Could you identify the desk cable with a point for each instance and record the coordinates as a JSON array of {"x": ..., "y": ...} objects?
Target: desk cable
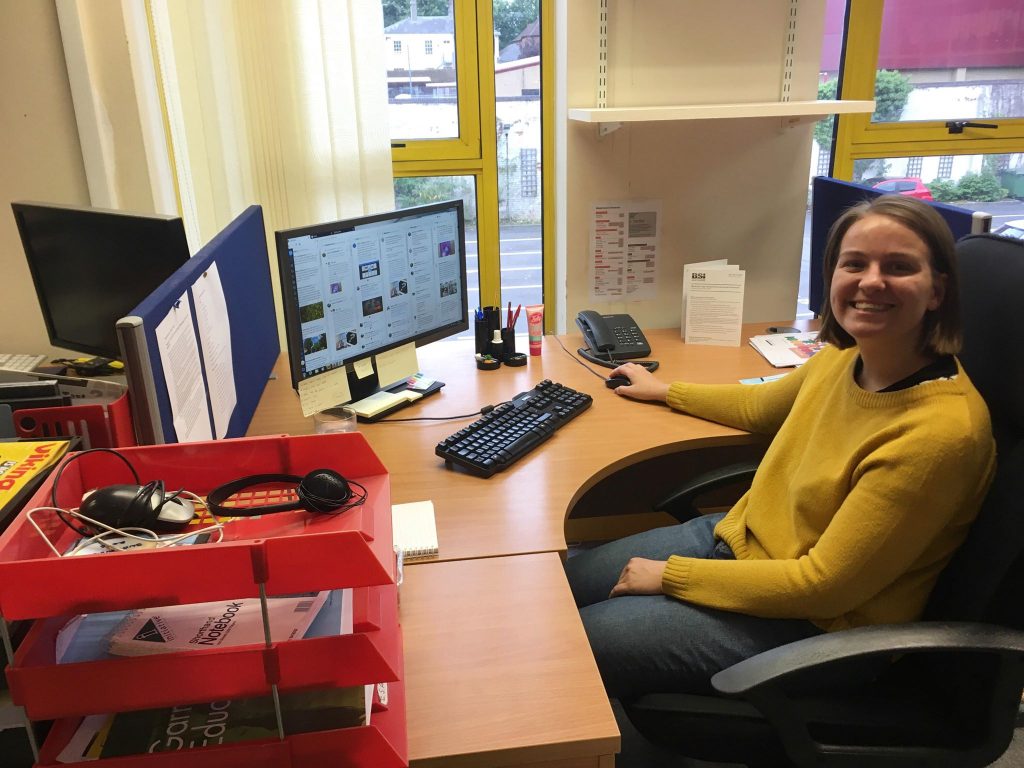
[
  {"x": 580, "y": 362},
  {"x": 482, "y": 412}
]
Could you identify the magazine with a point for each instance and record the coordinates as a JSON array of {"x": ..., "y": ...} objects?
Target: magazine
[
  {"x": 220, "y": 623},
  {"x": 188, "y": 726},
  {"x": 784, "y": 350}
]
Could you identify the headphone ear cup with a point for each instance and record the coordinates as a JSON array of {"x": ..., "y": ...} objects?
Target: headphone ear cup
[{"x": 324, "y": 490}]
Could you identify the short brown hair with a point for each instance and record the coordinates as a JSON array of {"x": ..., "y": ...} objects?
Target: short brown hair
[{"x": 942, "y": 333}]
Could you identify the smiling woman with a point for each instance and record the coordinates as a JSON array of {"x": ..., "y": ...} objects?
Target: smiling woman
[{"x": 881, "y": 453}]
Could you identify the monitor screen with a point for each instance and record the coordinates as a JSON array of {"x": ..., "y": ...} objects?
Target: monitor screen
[
  {"x": 358, "y": 287},
  {"x": 92, "y": 266}
]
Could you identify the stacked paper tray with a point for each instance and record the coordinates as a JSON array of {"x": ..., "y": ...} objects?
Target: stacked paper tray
[
  {"x": 382, "y": 744},
  {"x": 286, "y": 553}
]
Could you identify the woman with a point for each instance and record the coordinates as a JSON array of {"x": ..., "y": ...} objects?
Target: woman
[{"x": 882, "y": 453}]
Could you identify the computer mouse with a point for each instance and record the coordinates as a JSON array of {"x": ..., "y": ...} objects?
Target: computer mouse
[{"x": 616, "y": 381}]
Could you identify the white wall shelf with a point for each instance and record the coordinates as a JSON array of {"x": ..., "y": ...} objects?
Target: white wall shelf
[{"x": 811, "y": 109}]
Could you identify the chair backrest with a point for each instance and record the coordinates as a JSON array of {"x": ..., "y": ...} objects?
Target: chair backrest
[{"x": 985, "y": 579}]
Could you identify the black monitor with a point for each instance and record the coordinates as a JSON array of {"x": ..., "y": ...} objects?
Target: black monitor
[
  {"x": 355, "y": 288},
  {"x": 92, "y": 266}
]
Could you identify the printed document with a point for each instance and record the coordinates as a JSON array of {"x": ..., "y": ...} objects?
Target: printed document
[
  {"x": 215, "y": 337},
  {"x": 624, "y": 244},
  {"x": 714, "y": 305},
  {"x": 179, "y": 355}
]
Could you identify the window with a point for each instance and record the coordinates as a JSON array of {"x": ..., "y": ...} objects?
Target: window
[
  {"x": 945, "y": 167},
  {"x": 914, "y": 166},
  {"x": 528, "y": 172},
  {"x": 930, "y": 67},
  {"x": 397, "y": 46},
  {"x": 461, "y": 120}
]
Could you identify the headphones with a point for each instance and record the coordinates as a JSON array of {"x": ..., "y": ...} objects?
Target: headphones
[
  {"x": 150, "y": 507},
  {"x": 322, "y": 490}
]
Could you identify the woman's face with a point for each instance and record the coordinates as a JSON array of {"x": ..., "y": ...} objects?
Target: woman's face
[{"x": 883, "y": 283}]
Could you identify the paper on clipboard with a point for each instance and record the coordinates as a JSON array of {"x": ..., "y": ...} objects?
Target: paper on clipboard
[{"x": 215, "y": 336}]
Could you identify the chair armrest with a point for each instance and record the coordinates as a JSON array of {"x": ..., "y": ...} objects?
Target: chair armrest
[
  {"x": 885, "y": 639},
  {"x": 762, "y": 680},
  {"x": 680, "y": 503}
]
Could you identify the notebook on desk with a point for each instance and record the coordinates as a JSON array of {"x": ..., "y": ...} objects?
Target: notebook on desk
[{"x": 413, "y": 530}]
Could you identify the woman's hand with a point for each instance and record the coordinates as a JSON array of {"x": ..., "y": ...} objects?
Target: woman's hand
[
  {"x": 640, "y": 577},
  {"x": 643, "y": 385}
]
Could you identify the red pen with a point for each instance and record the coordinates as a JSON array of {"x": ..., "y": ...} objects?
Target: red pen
[{"x": 515, "y": 317}]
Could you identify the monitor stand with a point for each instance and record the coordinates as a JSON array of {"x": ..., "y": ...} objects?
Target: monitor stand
[{"x": 372, "y": 403}]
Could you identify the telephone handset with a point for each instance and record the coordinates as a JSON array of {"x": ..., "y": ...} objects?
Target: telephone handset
[{"x": 612, "y": 337}]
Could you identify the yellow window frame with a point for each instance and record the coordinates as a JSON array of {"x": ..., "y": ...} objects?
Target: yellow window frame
[
  {"x": 858, "y": 138},
  {"x": 470, "y": 155}
]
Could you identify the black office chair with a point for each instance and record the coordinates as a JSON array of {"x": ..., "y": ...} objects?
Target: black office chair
[{"x": 944, "y": 691}]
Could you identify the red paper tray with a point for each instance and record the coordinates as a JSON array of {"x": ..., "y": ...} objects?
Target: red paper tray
[
  {"x": 289, "y": 552},
  {"x": 371, "y": 654},
  {"x": 382, "y": 744},
  {"x": 99, "y": 426}
]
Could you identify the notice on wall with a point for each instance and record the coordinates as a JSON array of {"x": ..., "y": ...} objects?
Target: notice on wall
[{"x": 624, "y": 243}]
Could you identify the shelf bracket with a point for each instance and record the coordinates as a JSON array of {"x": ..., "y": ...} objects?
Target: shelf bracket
[
  {"x": 603, "y": 129},
  {"x": 789, "y": 52}
]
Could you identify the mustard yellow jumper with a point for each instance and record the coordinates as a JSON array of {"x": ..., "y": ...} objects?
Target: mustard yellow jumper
[{"x": 858, "y": 504}]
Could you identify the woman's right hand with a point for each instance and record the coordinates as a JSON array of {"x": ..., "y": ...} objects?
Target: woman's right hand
[{"x": 643, "y": 385}]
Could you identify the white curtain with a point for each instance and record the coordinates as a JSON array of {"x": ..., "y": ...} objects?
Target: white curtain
[{"x": 219, "y": 104}]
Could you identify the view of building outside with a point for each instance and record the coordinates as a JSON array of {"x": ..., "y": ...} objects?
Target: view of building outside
[
  {"x": 419, "y": 40},
  {"x": 956, "y": 60}
]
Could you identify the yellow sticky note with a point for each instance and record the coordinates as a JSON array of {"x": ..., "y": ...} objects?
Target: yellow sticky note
[
  {"x": 397, "y": 364},
  {"x": 324, "y": 391},
  {"x": 363, "y": 368}
]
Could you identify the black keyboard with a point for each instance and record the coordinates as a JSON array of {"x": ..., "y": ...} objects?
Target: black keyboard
[{"x": 513, "y": 429}]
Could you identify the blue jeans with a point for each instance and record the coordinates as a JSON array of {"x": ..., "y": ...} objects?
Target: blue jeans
[{"x": 655, "y": 643}]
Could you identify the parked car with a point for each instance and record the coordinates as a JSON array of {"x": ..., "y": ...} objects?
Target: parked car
[
  {"x": 909, "y": 187},
  {"x": 1013, "y": 229}
]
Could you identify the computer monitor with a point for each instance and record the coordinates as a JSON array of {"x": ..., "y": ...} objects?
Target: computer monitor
[
  {"x": 831, "y": 197},
  {"x": 92, "y": 266},
  {"x": 355, "y": 288}
]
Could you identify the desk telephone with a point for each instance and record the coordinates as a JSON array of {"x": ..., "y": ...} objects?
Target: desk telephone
[{"x": 612, "y": 337}]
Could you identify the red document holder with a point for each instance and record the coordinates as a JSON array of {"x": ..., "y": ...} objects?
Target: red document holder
[
  {"x": 284, "y": 553},
  {"x": 99, "y": 426}
]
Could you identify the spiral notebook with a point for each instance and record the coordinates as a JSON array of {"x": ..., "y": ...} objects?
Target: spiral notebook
[{"x": 413, "y": 529}]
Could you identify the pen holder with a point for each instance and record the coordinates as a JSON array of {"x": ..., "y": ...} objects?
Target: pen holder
[
  {"x": 509, "y": 355},
  {"x": 482, "y": 335}
]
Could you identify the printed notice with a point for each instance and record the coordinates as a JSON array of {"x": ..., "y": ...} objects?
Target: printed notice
[
  {"x": 714, "y": 305},
  {"x": 624, "y": 238},
  {"x": 179, "y": 356},
  {"x": 215, "y": 336}
]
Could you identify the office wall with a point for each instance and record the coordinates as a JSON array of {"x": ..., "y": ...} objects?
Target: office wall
[
  {"x": 733, "y": 189},
  {"x": 40, "y": 156}
]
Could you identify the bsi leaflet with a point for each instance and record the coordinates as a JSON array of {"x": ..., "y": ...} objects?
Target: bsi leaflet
[{"x": 712, "y": 307}]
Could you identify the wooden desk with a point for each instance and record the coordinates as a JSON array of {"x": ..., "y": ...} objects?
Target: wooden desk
[
  {"x": 523, "y": 509},
  {"x": 498, "y": 668}
]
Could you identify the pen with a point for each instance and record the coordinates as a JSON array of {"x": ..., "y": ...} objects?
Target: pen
[
  {"x": 515, "y": 317},
  {"x": 508, "y": 317}
]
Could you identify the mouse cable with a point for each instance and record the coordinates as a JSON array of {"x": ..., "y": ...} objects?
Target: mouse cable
[
  {"x": 482, "y": 412},
  {"x": 578, "y": 361}
]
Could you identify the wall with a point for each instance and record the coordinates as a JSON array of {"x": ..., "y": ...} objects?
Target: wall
[
  {"x": 39, "y": 154},
  {"x": 733, "y": 189}
]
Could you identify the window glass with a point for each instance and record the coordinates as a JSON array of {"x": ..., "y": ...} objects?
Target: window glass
[
  {"x": 990, "y": 183},
  {"x": 954, "y": 60},
  {"x": 517, "y": 87},
  {"x": 419, "y": 40}
]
